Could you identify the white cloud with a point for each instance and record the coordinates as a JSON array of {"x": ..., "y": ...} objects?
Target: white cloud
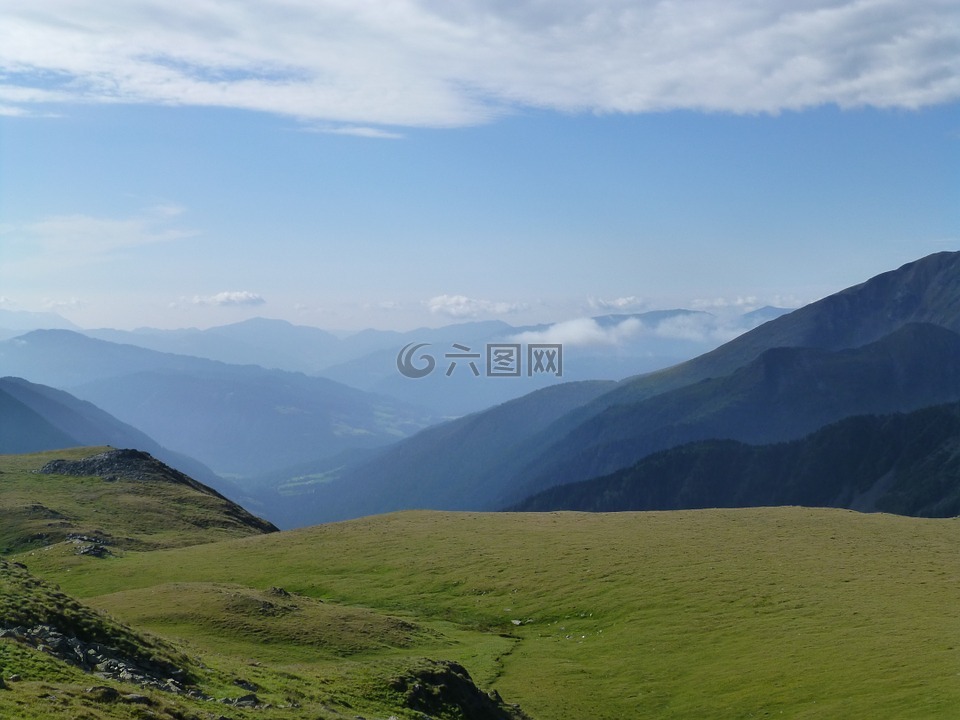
[
  {"x": 460, "y": 306},
  {"x": 617, "y": 304},
  {"x": 442, "y": 63},
  {"x": 363, "y": 132},
  {"x": 740, "y": 303},
  {"x": 84, "y": 237},
  {"x": 696, "y": 327},
  {"x": 583, "y": 331},
  {"x": 63, "y": 305},
  {"x": 234, "y": 297}
]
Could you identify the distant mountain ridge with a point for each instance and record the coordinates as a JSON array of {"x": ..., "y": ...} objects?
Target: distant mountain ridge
[
  {"x": 908, "y": 464},
  {"x": 924, "y": 291},
  {"x": 237, "y": 419},
  {"x": 785, "y": 393},
  {"x": 366, "y": 360}
]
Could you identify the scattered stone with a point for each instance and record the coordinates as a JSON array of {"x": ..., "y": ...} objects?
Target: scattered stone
[
  {"x": 279, "y": 591},
  {"x": 136, "y": 699},
  {"x": 103, "y": 693},
  {"x": 246, "y": 685},
  {"x": 246, "y": 701},
  {"x": 97, "y": 551},
  {"x": 14, "y": 678}
]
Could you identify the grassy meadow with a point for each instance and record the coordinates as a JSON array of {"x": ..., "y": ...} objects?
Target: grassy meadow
[{"x": 779, "y": 612}]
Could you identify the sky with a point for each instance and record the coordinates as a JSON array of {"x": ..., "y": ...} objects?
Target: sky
[{"x": 404, "y": 163}]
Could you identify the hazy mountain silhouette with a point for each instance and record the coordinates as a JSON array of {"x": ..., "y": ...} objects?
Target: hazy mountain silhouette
[
  {"x": 241, "y": 420},
  {"x": 905, "y": 463},
  {"x": 36, "y": 417}
]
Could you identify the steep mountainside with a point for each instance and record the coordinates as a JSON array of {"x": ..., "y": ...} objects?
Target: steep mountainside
[
  {"x": 907, "y": 464},
  {"x": 782, "y": 395},
  {"x": 72, "y": 422},
  {"x": 24, "y": 430},
  {"x": 923, "y": 291}
]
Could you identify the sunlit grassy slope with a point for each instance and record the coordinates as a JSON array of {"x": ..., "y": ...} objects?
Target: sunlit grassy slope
[
  {"x": 147, "y": 513},
  {"x": 785, "y": 612}
]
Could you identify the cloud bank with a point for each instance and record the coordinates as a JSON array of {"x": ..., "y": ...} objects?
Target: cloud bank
[
  {"x": 583, "y": 331},
  {"x": 694, "y": 327},
  {"x": 236, "y": 297},
  {"x": 460, "y": 306},
  {"x": 444, "y": 63}
]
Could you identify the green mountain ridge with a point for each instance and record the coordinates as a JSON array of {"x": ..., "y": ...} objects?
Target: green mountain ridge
[
  {"x": 103, "y": 501},
  {"x": 907, "y": 464},
  {"x": 782, "y": 395}
]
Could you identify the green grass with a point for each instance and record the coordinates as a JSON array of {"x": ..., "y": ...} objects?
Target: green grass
[
  {"x": 38, "y": 509},
  {"x": 783, "y": 612}
]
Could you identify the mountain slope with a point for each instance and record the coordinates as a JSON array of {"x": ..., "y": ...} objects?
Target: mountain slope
[
  {"x": 104, "y": 500},
  {"x": 924, "y": 291},
  {"x": 722, "y": 614},
  {"x": 81, "y": 423},
  {"x": 906, "y": 463},
  {"x": 24, "y": 430},
  {"x": 450, "y": 464},
  {"x": 782, "y": 395}
]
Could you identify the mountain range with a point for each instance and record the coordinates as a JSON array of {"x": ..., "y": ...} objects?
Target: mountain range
[
  {"x": 609, "y": 347},
  {"x": 238, "y": 419},
  {"x": 260, "y": 412},
  {"x": 889, "y": 344},
  {"x": 306, "y": 449},
  {"x": 906, "y": 463}
]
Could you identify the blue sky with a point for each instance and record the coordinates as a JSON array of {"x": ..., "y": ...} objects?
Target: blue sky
[{"x": 392, "y": 165}]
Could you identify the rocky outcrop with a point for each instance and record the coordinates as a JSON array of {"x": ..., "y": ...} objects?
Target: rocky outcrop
[
  {"x": 438, "y": 686},
  {"x": 106, "y": 662},
  {"x": 140, "y": 466}
]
